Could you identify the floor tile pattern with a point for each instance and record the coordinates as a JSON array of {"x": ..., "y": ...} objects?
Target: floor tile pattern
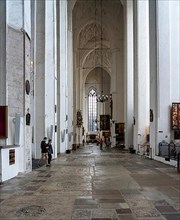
[{"x": 90, "y": 184}]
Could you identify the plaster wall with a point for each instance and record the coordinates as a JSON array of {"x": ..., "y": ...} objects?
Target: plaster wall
[
  {"x": 175, "y": 51},
  {"x": 27, "y": 16},
  {"x": 9, "y": 171},
  {"x": 63, "y": 76},
  {"x": 143, "y": 69},
  {"x": 27, "y": 104},
  {"x": 17, "y": 61},
  {"x": 164, "y": 87},
  {"x": 14, "y": 13},
  {"x": 39, "y": 76},
  {"x": 128, "y": 76},
  {"x": 153, "y": 75},
  {"x": 19, "y": 14},
  {"x": 175, "y": 55},
  {"x": 141, "y": 83},
  {"x": 15, "y": 72},
  {"x": 3, "y": 56},
  {"x": 49, "y": 70},
  {"x": 70, "y": 86}
]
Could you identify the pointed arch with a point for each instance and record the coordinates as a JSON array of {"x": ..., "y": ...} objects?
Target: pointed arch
[{"x": 92, "y": 109}]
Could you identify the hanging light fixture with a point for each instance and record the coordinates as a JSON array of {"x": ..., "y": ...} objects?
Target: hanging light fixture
[{"x": 101, "y": 97}]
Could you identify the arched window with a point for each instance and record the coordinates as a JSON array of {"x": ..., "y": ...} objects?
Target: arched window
[{"x": 92, "y": 110}]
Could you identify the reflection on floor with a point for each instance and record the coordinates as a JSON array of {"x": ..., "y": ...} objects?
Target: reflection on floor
[{"x": 93, "y": 184}]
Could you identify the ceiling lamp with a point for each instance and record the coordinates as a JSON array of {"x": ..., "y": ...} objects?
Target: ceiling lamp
[{"x": 101, "y": 97}]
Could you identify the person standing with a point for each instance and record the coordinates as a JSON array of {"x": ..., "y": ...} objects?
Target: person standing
[
  {"x": 44, "y": 151},
  {"x": 101, "y": 144},
  {"x": 50, "y": 152}
]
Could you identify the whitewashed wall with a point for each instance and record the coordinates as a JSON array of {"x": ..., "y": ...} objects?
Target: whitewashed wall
[
  {"x": 164, "y": 77},
  {"x": 49, "y": 70},
  {"x": 63, "y": 77},
  {"x": 17, "y": 71},
  {"x": 14, "y": 13}
]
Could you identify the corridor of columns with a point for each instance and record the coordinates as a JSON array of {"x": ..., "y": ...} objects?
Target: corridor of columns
[
  {"x": 94, "y": 184},
  {"x": 57, "y": 60}
]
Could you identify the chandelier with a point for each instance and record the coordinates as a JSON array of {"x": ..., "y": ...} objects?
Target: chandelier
[{"x": 101, "y": 97}]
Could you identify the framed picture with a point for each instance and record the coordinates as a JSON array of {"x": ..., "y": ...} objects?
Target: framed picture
[
  {"x": 11, "y": 156},
  {"x": 175, "y": 116},
  {"x": 119, "y": 128},
  {"x": 3, "y": 122},
  {"x": 104, "y": 122}
]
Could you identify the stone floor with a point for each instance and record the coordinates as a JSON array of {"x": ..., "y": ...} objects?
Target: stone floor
[{"x": 94, "y": 185}]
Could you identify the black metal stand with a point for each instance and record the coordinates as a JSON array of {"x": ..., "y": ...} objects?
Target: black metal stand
[{"x": 178, "y": 162}]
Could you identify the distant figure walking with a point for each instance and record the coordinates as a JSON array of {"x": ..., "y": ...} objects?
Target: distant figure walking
[
  {"x": 44, "y": 152},
  {"x": 50, "y": 152}
]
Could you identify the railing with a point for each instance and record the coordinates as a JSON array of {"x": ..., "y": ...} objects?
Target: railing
[
  {"x": 169, "y": 150},
  {"x": 178, "y": 162}
]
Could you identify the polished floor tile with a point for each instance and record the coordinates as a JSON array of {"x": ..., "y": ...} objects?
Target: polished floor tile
[{"x": 94, "y": 185}]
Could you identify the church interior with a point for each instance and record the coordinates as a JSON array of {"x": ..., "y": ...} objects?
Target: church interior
[{"x": 101, "y": 79}]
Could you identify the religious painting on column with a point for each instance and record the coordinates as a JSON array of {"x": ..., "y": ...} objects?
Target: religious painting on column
[
  {"x": 104, "y": 122},
  {"x": 175, "y": 116},
  {"x": 119, "y": 130}
]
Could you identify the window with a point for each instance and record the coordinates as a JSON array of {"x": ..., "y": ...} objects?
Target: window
[{"x": 92, "y": 110}]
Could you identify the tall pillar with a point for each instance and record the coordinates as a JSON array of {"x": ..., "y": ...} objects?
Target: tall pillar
[
  {"x": 164, "y": 75},
  {"x": 50, "y": 71},
  {"x": 141, "y": 79},
  {"x": 63, "y": 90},
  {"x": 2, "y": 65},
  {"x": 128, "y": 80},
  {"x": 114, "y": 98},
  {"x": 3, "y": 53},
  {"x": 175, "y": 53},
  {"x": 70, "y": 87},
  {"x": 153, "y": 75},
  {"x": 39, "y": 57},
  {"x": 168, "y": 37}
]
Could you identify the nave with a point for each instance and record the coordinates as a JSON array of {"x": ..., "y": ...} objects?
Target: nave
[{"x": 94, "y": 185}]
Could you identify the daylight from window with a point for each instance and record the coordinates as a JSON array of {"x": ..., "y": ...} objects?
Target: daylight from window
[{"x": 92, "y": 110}]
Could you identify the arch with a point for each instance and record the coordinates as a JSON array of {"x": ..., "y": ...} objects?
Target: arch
[
  {"x": 88, "y": 18},
  {"x": 86, "y": 74},
  {"x": 87, "y": 33}
]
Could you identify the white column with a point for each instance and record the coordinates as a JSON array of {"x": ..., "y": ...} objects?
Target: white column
[
  {"x": 175, "y": 50},
  {"x": 3, "y": 53},
  {"x": 153, "y": 75},
  {"x": 58, "y": 76},
  {"x": 77, "y": 76},
  {"x": 39, "y": 71},
  {"x": 114, "y": 97},
  {"x": 3, "y": 58},
  {"x": 113, "y": 83},
  {"x": 63, "y": 76},
  {"x": 49, "y": 70},
  {"x": 70, "y": 77},
  {"x": 141, "y": 73},
  {"x": 163, "y": 63},
  {"x": 128, "y": 80}
]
